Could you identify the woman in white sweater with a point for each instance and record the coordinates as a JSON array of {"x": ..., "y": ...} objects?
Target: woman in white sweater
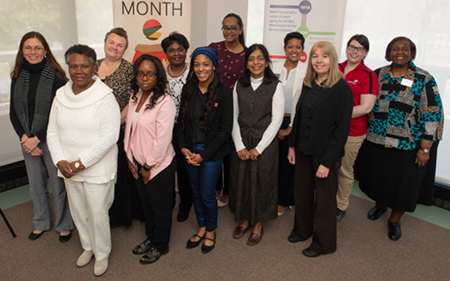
[{"x": 82, "y": 134}]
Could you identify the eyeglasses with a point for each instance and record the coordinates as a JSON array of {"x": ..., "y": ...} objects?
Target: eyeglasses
[
  {"x": 149, "y": 75},
  {"x": 228, "y": 29},
  {"x": 353, "y": 48},
  {"x": 36, "y": 49},
  {"x": 260, "y": 59}
]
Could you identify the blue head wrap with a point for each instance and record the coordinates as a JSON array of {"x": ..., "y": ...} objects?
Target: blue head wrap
[{"x": 205, "y": 51}]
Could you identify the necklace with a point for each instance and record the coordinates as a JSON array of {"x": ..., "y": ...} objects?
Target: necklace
[{"x": 177, "y": 74}]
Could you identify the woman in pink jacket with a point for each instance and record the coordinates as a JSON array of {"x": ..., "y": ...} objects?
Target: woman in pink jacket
[{"x": 150, "y": 154}]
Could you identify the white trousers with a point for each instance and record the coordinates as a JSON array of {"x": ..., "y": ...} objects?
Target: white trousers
[{"x": 89, "y": 204}]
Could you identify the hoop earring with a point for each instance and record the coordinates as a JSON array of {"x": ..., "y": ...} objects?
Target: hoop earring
[{"x": 192, "y": 77}]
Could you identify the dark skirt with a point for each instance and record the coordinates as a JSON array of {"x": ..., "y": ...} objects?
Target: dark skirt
[
  {"x": 390, "y": 176},
  {"x": 254, "y": 184}
]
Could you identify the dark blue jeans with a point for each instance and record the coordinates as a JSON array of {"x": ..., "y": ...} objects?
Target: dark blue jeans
[{"x": 203, "y": 181}]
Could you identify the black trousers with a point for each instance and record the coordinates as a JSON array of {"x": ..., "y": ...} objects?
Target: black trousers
[
  {"x": 157, "y": 199},
  {"x": 315, "y": 203},
  {"x": 126, "y": 205},
  {"x": 184, "y": 188},
  {"x": 286, "y": 171}
]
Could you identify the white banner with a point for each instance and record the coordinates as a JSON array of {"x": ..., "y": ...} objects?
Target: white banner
[
  {"x": 149, "y": 22},
  {"x": 317, "y": 20}
]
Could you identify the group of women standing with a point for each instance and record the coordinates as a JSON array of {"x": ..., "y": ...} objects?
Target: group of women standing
[{"x": 181, "y": 118}]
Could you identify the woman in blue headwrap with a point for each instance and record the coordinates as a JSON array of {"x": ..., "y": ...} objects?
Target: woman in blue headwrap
[{"x": 203, "y": 128}]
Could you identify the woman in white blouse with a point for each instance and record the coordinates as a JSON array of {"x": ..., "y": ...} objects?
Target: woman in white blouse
[
  {"x": 291, "y": 73},
  {"x": 258, "y": 112},
  {"x": 175, "y": 46}
]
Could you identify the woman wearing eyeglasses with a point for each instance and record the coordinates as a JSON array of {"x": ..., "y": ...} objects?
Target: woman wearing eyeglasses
[
  {"x": 35, "y": 78},
  {"x": 231, "y": 54},
  {"x": 364, "y": 84},
  {"x": 258, "y": 105},
  {"x": 150, "y": 154}
]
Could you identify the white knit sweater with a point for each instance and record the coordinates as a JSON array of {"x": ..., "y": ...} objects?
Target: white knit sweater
[{"x": 86, "y": 127}]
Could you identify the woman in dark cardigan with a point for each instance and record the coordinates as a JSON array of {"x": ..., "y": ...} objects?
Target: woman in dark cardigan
[
  {"x": 319, "y": 133},
  {"x": 35, "y": 78}
]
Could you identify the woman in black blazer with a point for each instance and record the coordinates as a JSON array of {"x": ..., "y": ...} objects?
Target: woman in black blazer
[
  {"x": 204, "y": 128},
  {"x": 319, "y": 134}
]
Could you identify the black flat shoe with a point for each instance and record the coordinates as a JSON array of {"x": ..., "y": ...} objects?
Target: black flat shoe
[
  {"x": 65, "y": 238},
  {"x": 183, "y": 215},
  {"x": 340, "y": 214},
  {"x": 153, "y": 255},
  {"x": 191, "y": 245},
  {"x": 293, "y": 239},
  {"x": 207, "y": 249},
  {"x": 375, "y": 213},
  {"x": 142, "y": 248},
  {"x": 394, "y": 232},
  {"x": 310, "y": 253},
  {"x": 33, "y": 236}
]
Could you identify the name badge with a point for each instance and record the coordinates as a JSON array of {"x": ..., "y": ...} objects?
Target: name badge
[{"x": 407, "y": 82}]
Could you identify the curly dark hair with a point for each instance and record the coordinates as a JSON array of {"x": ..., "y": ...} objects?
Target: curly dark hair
[
  {"x": 269, "y": 76},
  {"x": 161, "y": 79},
  {"x": 296, "y": 35},
  {"x": 81, "y": 50},
  {"x": 191, "y": 87},
  {"x": 174, "y": 37}
]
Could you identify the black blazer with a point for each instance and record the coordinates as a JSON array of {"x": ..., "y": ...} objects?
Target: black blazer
[
  {"x": 327, "y": 125},
  {"x": 220, "y": 123}
]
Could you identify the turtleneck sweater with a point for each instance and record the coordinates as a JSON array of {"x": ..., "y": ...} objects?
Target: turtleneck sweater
[{"x": 85, "y": 127}]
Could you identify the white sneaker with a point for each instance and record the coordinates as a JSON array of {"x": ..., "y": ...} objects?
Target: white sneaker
[
  {"x": 101, "y": 266},
  {"x": 85, "y": 258}
]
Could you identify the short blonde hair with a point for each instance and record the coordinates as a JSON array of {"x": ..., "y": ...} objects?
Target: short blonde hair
[{"x": 334, "y": 75}]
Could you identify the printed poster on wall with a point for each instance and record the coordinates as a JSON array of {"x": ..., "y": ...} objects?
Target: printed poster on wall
[
  {"x": 317, "y": 20},
  {"x": 149, "y": 22}
]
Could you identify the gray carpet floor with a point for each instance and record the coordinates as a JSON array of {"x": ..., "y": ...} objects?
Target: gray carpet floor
[{"x": 364, "y": 252}]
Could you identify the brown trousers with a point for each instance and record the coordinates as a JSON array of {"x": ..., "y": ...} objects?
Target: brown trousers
[{"x": 315, "y": 203}]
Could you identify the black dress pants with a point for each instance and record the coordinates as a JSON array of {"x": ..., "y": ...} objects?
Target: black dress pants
[
  {"x": 315, "y": 203},
  {"x": 157, "y": 199}
]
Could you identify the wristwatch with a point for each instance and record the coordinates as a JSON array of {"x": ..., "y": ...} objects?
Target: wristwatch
[
  {"x": 425, "y": 150},
  {"x": 77, "y": 165}
]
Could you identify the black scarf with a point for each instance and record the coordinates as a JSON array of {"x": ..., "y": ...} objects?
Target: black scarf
[{"x": 43, "y": 102}]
